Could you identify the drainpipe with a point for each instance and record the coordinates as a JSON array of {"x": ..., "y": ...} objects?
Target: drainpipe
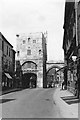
[
  {"x": 76, "y": 4},
  {"x": 78, "y": 69}
]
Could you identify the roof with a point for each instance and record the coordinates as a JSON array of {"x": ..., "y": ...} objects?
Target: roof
[
  {"x": 5, "y": 39},
  {"x": 14, "y": 50}
]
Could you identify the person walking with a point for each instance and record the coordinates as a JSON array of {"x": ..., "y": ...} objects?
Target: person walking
[{"x": 62, "y": 85}]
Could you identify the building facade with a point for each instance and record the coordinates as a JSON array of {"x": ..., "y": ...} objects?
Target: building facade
[
  {"x": 71, "y": 46},
  {"x": 7, "y": 58},
  {"x": 0, "y": 62},
  {"x": 32, "y": 55}
]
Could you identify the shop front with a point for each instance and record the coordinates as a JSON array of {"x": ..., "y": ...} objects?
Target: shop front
[
  {"x": 72, "y": 85},
  {"x": 7, "y": 81}
]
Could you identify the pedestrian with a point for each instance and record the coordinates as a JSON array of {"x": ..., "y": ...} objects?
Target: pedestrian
[{"x": 62, "y": 85}]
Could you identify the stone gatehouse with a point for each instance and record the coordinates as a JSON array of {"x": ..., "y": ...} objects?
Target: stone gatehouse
[{"x": 31, "y": 52}]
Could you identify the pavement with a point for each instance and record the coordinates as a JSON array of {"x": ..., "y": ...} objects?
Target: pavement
[
  {"x": 9, "y": 91},
  {"x": 67, "y": 103},
  {"x": 30, "y": 103}
]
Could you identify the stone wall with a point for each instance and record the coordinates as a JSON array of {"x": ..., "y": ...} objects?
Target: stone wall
[{"x": 33, "y": 43}]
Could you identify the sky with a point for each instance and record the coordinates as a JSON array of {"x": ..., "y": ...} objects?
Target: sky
[{"x": 26, "y": 16}]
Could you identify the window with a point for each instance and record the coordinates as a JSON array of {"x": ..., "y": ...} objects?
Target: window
[
  {"x": 23, "y": 41},
  {"x": 39, "y": 51},
  {"x": 28, "y": 52},
  {"x": 2, "y": 62},
  {"x": 2, "y": 45},
  {"x": 17, "y": 35},
  {"x": 7, "y": 50},
  {"x": 28, "y": 39},
  {"x": 9, "y": 64},
  {"x": 18, "y": 53},
  {"x": 34, "y": 41}
]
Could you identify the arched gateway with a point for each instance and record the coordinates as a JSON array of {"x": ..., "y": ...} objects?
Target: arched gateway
[
  {"x": 31, "y": 52},
  {"x": 55, "y": 74},
  {"x": 29, "y": 70},
  {"x": 29, "y": 80}
]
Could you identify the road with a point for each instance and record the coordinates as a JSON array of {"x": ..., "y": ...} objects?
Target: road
[{"x": 30, "y": 103}]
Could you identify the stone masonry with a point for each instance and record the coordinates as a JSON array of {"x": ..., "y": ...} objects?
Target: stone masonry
[{"x": 30, "y": 48}]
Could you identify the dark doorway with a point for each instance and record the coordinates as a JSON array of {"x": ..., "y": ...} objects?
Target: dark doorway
[{"x": 29, "y": 80}]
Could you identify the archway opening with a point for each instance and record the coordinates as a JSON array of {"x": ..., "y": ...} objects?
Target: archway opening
[
  {"x": 52, "y": 79},
  {"x": 29, "y": 64},
  {"x": 29, "y": 80}
]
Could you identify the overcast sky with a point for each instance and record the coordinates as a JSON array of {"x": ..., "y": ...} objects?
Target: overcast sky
[{"x": 24, "y": 16}]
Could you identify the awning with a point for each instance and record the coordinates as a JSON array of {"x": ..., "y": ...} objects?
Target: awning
[{"x": 7, "y": 75}]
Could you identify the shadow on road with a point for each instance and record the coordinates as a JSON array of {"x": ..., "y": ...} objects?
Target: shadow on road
[{"x": 5, "y": 100}]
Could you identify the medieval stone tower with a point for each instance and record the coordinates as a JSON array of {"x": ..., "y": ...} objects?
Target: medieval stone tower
[{"x": 32, "y": 54}]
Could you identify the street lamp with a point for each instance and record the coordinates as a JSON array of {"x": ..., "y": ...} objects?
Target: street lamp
[{"x": 74, "y": 58}]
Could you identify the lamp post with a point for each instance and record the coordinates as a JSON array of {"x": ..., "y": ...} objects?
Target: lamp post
[{"x": 74, "y": 58}]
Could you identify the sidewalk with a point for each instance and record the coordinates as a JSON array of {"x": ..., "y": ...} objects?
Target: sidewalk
[
  {"x": 9, "y": 91},
  {"x": 66, "y": 102}
]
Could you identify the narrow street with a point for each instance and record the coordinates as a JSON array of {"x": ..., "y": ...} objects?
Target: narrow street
[
  {"x": 40, "y": 59},
  {"x": 30, "y": 103}
]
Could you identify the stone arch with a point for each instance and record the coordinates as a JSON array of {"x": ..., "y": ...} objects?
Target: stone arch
[
  {"x": 52, "y": 78},
  {"x": 29, "y": 62},
  {"x": 28, "y": 74},
  {"x": 54, "y": 66},
  {"x": 29, "y": 80}
]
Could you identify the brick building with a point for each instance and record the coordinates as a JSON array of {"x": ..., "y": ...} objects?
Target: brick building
[
  {"x": 71, "y": 45},
  {"x": 32, "y": 54},
  {"x": 7, "y": 62}
]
